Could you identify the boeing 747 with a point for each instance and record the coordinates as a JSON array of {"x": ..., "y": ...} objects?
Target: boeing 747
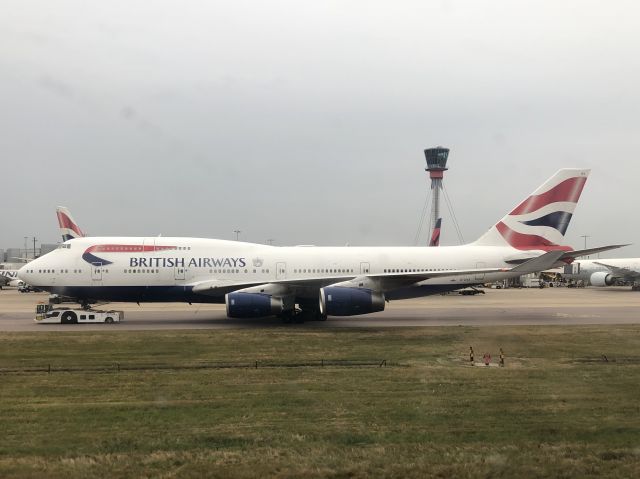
[{"x": 256, "y": 280}]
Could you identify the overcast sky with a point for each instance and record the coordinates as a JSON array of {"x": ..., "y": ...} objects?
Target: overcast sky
[{"x": 305, "y": 122}]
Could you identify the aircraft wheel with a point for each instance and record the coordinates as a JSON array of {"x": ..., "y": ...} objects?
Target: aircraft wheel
[
  {"x": 287, "y": 317},
  {"x": 316, "y": 315}
]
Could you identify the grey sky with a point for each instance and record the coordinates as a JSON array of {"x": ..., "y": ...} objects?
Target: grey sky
[{"x": 305, "y": 121}]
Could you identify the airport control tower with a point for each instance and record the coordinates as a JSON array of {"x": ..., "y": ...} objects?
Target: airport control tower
[{"x": 436, "y": 166}]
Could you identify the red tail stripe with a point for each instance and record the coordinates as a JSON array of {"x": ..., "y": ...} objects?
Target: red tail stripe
[
  {"x": 527, "y": 242},
  {"x": 569, "y": 190},
  {"x": 65, "y": 222},
  {"x": 126, "y": 248}
]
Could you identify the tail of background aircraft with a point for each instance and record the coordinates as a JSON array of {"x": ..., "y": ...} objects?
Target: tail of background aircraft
[
  {"x": 68, "y": 227},
  {"x": 541, "y": 220},
  {"x": 435, "y": 236}
]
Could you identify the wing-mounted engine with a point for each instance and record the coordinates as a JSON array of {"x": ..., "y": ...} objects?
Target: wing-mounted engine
[
  {"x": 350, "y": 301},
  {"x": 601, "y": 278},
  {"x": 253, "y": 305},
  {"x": 259, "y": 301}
]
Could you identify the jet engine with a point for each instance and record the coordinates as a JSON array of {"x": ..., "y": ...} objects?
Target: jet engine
[
  {"x": 253, "y": 305},
  {"x": 601, "y": 279},
  {"x": 341, "y": 301}
]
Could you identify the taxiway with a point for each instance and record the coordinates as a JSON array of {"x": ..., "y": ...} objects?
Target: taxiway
[{"x": 547, "y": 306}]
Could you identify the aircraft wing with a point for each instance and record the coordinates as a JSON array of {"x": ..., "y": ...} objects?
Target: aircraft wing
[
  {"x": 378, "y": 282},
  {"x": 620, "y": 272},
  {"x": 586, "y": 252}
]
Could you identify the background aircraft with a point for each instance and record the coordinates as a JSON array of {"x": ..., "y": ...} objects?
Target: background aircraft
[
  {"x": 605, "y": 272},
  {"x": 435, "y": 236},
  {"x": 68, "y": 227},
  {"x": 8, "y": 277}
]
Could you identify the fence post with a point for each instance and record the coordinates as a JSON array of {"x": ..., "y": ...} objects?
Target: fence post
[
  {"x": 256, "y": 364},
  {"x": 49, "y": 369}
]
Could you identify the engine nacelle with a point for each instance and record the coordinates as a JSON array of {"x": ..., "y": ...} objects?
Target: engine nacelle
[
  {"x": 601, "y": 279},
  {"x": 252, "y": 305},
  {"x": 341, "y": 301}
]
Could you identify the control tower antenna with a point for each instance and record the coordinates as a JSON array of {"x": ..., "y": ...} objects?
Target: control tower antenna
[{"x": 436, "y": 166}]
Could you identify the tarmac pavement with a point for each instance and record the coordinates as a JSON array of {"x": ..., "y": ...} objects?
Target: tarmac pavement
[{"x": 548, "y": 306}]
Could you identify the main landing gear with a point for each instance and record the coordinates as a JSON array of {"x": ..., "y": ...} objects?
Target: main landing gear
[{"x": 297, "y": 315}]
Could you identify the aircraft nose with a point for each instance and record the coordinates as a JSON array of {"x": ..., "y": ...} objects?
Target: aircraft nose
[{"x": 24, "y": 272}]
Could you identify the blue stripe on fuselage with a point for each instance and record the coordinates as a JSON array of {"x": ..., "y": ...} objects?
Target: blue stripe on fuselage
[
  {"x": 185, "y": 294},
  {"x": 150, "y": 294}
]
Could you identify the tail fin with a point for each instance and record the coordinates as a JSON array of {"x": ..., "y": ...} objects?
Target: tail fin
[
  {"x": 541, "y": 220},
  {"x": 68, "y": 227},
  {"x": 435, "y": 236}
]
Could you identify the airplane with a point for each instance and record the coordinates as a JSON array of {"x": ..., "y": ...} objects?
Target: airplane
[
  {"x": 9, "y": 272},
  {"x": 435, "y": 236},
  {"x": 605, "y": 272},
  {"x": 68, "y": 227},
  {"x": 9, "y": 277},
  {"x": 299, "y": 282}
]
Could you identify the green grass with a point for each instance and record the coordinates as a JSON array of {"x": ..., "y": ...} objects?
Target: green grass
[{"x": 548, "y": 413}]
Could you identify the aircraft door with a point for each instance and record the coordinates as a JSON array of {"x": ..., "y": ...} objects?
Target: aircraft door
[
  {"x": 281, "y": 270},
  {"x": 96, "y": 271},
  {"x": 480, "y": 276},
  {"x": 179, "y": 272},
  {"x": 364, "y": 268}
]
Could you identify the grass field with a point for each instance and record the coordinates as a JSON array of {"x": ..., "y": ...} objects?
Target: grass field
[{"x": 557, "y": 409}]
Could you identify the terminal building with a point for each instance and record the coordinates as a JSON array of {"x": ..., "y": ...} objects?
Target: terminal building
[{"x": 17, "y": 255}]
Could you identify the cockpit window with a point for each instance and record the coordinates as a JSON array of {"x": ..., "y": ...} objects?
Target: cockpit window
[{"x": 64, "y": 246}]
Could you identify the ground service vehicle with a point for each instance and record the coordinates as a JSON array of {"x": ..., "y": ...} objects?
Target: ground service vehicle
[{"x": 45, "y": 313}]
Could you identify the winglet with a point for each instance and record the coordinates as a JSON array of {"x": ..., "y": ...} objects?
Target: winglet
[{"x": 585, "y": 252}]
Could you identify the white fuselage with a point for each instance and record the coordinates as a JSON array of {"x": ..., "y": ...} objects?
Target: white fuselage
[{"x": 157, "y": 269}]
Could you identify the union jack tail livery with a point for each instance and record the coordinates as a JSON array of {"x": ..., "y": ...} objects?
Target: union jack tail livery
[
  {"x": 435, "y": 236},
  {"x": 68, "y": 227},
  {"x": 541, "y": 220}
]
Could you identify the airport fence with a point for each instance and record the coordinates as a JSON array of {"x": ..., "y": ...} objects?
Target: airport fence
[
  {"x": 255, "y": 364},
  {"x": 604, "y": 359}
]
